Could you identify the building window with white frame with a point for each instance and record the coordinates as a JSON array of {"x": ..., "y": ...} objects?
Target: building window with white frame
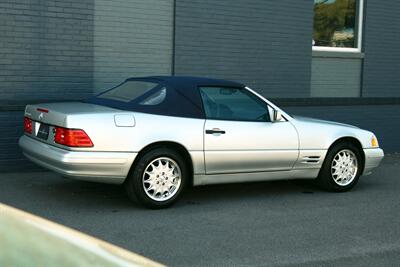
[{"x": 337, "y": 25}]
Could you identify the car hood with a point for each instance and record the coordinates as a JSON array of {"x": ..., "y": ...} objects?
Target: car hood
[{"x": 322, "y": 122}]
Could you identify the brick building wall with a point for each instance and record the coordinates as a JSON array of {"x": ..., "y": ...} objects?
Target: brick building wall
[
  {"x": 381, "y": 73},
  {"x": 263, "y": 43},
  {"x": 67, "y": 49}
]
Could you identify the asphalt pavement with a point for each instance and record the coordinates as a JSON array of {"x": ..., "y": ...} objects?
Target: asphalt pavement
[{"x": 283, "y": 223}]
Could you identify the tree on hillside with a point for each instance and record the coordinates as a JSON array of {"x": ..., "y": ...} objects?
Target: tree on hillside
[{"x": 333, "y": 16}]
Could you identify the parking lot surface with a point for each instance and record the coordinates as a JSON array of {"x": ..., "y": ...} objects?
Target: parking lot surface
[{"x": 285, "y": 223}]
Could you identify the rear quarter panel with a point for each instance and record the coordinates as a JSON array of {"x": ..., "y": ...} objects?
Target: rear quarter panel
[{"x": 148, "y": 129}]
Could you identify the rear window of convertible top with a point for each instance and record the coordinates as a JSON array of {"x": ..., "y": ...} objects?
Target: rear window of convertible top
[{"x": 141, "y": 92}]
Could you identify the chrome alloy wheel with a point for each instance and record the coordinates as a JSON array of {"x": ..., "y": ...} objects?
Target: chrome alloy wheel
[
  {"x": 161, "y": 179},
  {"x": 344, "y": 167}
]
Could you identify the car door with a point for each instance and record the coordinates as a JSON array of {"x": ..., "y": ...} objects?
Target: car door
[{"x": 239, "y": 136}]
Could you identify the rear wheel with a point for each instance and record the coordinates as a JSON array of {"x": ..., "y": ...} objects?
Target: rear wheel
[
  {"x": 158, "y": 178},
  {"x": 342, "y": 168}
]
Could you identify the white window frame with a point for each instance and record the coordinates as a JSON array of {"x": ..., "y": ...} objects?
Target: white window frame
[{"x": 359, "y": 35}]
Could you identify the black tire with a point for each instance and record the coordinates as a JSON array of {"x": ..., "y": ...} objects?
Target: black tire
[
  {"x": 325, "y": 178},
  {"x": 135, "y": 187}
]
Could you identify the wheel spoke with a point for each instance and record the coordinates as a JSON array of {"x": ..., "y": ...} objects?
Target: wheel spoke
[
  {"x": 344, "y": 167},
  {"x": 161, "y": 179},
  {"x": 151, "y": 188}
]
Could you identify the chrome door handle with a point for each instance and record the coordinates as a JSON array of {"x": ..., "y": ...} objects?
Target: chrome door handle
[{"x": 215, "y": 131}]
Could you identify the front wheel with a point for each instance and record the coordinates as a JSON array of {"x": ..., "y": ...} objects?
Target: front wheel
[
  {"x": 342, "y": 168},
  {"x": 158, "y": 178}
]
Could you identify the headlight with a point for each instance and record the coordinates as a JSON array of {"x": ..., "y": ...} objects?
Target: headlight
[{"x": 374, "y": 142}]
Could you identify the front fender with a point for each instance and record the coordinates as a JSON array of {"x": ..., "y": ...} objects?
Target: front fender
[{"x": 321, "y": 135}]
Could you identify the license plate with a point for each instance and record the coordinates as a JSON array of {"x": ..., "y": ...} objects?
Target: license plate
[{"x": 42, "y": 130}]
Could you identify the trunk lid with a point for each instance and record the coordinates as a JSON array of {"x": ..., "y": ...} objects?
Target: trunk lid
[
  {"x": 45, "y": 117},
  {"x": 56, "y": 113}
]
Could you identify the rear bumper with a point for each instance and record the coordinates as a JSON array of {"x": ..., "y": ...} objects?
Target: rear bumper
[
  {"x": 109, "y": 167},
  {"x": 373, "y": 157}
]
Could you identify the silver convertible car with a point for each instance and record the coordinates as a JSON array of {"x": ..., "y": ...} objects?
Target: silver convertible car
[{"x": 158, "y": 135}]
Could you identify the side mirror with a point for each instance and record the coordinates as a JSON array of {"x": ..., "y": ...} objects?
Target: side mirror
[{"x": 277, "y": 116}]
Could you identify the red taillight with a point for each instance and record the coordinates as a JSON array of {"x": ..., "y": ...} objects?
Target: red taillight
[
  {"x": 27, "y": 125},
  {"x": 72, "y": 137}
]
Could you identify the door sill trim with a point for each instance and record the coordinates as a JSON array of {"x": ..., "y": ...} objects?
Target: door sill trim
[{"x": 203, "y": 179}]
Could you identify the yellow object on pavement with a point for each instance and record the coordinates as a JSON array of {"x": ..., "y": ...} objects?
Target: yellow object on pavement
[{"x": 28, "y": 240}]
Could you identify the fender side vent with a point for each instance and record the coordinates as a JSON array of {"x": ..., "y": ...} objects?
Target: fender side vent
[{"x": 311, "y": 159}]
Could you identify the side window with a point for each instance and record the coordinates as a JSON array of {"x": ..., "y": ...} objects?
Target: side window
[{"x": 222, "y": 103}]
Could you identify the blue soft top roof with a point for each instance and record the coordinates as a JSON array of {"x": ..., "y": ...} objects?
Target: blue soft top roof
[
  {"x": 183, "y": 98},
  {"x": 190, "y": 82}
]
